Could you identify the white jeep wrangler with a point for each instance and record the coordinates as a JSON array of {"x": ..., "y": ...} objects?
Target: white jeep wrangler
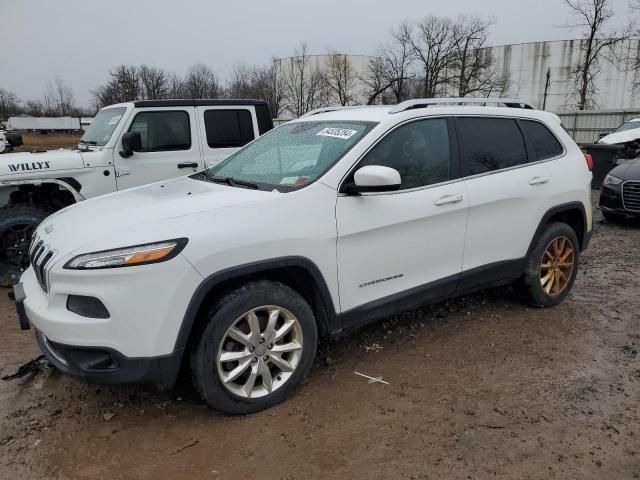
[
  {"x": 127, "y": 145},
  {"x": 326, "y": 223}
]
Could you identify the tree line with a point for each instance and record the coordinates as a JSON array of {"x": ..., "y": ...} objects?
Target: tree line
[{"x": 432, "y": 57}]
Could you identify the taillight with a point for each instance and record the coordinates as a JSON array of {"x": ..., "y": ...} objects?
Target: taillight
[{"x": 589, "y": 159}]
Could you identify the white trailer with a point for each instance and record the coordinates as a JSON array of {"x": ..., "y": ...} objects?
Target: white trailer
[{"x": 43, "y": 123}]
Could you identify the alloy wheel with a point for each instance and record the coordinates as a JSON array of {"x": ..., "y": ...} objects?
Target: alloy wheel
[
  {"x": 556, "y": 266},
  {"x": 260, "y": 351}
]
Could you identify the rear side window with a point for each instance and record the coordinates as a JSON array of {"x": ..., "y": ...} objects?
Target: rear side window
[
  {"x": 489, "y": 144},
  {"x": 228, "y": 128},
  {"x": 544, "y": 143},
  {"x": 162, "y": 131}
]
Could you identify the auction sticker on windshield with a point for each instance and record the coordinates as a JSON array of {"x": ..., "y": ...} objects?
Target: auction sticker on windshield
[
  {"x": 343, "y": 133},
  {"x": 114, "y": 119}
]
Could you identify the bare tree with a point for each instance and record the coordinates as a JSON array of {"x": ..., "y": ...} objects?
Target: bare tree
[
  {"x": 8, "y": 104},
  {"x": 154, "y": 82},
  {"x": 376, "y": 83},
  {"x": 34, "y": 108},
  {"x": 341, "y": 78},
  {"x": 473, "y": 64},
  {"x": 58, "y": 99},
  {"x": 597, "y": 44},
  {"x": 124, "y": 85},
  {"x": 305, "y": 84},
  {"x": 201, "y": 82},
  {"x": 433, "y": 46},
  {"x": 260, "y": 82}
]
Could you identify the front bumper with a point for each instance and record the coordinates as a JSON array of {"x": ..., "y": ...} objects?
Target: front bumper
[
  {"x": 136, "y": 341},
  {"x": 611, "y": 201},
  {"x": 102, "y": 365},
  {"x": 106, "y": 366}
]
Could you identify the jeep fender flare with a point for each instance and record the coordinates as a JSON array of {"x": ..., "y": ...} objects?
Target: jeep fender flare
[
  {"x": 333, "y": 319},
  {"x": 78, "y": 197}
]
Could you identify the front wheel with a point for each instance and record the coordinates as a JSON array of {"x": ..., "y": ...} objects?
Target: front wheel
[
  {"x": 552, "y": 266},
  {"x": 17, "y": 224},
  {"x": 257, "y": 347}
]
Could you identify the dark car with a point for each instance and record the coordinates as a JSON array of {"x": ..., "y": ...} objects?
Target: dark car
[{"x": 620, "y": 196}]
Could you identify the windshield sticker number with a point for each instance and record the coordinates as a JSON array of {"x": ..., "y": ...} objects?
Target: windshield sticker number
[
  {"x": 343, "y": 133},
  {"x": 115, "y": 119}
]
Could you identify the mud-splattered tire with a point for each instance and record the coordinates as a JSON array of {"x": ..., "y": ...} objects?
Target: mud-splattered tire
[
  {"x": 17, "y": 224},
  {"x": 551, "y": 266},
  {"x": 257, "y": 347}
]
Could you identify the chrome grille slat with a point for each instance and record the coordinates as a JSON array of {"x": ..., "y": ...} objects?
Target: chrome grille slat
[
  {"x": 40, "y": 255},
  {"x": 631, "y": 195}
]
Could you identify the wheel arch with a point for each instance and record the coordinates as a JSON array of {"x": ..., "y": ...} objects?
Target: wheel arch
[
  {"x": 298, "y": 273},
  {"x": 70, "y": 185},
  {"x": 573, "y": 214}
]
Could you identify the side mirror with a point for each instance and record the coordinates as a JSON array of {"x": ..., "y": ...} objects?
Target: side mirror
[
  {"x": 374, "y": 178},
  {"x": 131, "y": 142}
]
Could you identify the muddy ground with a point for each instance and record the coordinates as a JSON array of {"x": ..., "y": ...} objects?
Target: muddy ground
[
  {"x": 479, "y": 387},
  {"x": 47, "y": 141}
]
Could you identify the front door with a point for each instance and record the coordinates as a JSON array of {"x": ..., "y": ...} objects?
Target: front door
[
  {"x": 170, "y": 147},
  {"x": 403, "y": 246}
]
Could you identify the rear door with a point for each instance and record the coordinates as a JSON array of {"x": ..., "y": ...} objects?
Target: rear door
[
  {"x": 402, "y": 246},
  {"x": 224, "y": 129},
  {"x": 169, "y": 146},
  {"x": 507, "y": 187}
]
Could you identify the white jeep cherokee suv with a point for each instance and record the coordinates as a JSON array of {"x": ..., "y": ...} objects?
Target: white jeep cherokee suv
[{"x": 326, "y": 223}]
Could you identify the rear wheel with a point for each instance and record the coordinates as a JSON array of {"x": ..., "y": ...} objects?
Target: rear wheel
[
  {"x": 257, "y": 347},
  {"x": 552, "y": 266},
  {"x": 17, "y": 225}
]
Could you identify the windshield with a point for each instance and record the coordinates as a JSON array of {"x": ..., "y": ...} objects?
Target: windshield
[
  {"x": 102, "y": 126},
  {"x": 293, "y": 154},
  {"x": 628, "y": 126}
]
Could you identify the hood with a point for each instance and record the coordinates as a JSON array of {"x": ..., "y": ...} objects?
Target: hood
[
  {"x": 621, "y": 137},
  {"x": 629, "y": 170},
  {"x": 30, "y": 163},
  {"x": 141, "y": 215}
]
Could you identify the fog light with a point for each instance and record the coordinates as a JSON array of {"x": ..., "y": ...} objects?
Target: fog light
[{"x": 90, "y": 307}]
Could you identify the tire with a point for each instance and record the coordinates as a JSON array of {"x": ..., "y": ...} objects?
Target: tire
[
  {"x": 17, "y": 224},
  {"x": 234, "y": 310},
  {"x": 612, "y": 217},
  {"x": 535, "y": 285}
]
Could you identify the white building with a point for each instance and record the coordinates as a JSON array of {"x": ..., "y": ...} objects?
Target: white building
[{"x": 527, "y": 65}]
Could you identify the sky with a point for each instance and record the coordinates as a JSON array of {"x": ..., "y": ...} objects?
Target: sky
[{"x": 80, "y": 40}]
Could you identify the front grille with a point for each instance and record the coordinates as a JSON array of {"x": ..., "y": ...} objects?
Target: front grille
[
  {"x": 40, "y": 255},
  {"x": 631, "y": 195}
]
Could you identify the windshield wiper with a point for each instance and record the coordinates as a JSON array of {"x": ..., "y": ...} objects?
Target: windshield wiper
[{"x": 232, "y": 182}]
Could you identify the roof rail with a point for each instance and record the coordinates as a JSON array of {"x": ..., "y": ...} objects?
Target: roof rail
[
  {"x": 318, "y": 111},
  {"x": 427, "y": 102}
]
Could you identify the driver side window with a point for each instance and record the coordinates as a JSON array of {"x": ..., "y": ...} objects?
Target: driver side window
[
  {"x": 162, "y": 131},
  {"x": 420, "y": 151}
]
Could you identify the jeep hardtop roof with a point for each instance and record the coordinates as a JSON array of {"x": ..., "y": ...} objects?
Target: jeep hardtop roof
[{"x": 200, "y": 102}]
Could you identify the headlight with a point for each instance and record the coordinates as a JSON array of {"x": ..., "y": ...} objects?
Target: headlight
[
  {"x": 611, "y": 180},
  {"x": 128, "y": 256}
]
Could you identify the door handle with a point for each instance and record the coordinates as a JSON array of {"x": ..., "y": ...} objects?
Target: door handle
[
  {"x": 447, "y": 200},
  {"x": 188, "y": 165},
  {"x": 538, "y": 180}
]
